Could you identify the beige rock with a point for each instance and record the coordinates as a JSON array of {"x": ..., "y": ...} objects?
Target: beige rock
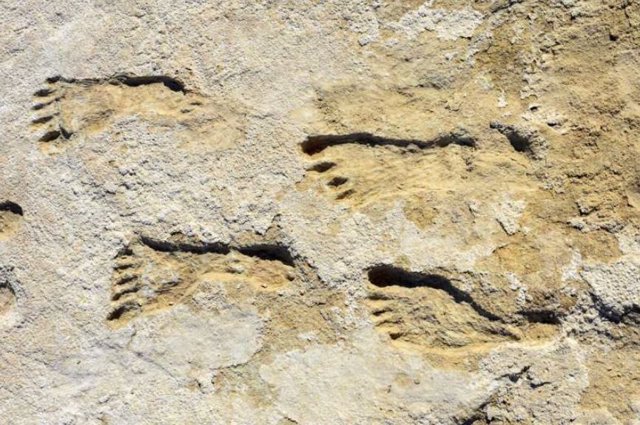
[{"x": 336, "y": 212}]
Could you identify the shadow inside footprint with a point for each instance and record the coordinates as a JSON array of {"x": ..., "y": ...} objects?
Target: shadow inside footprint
[
  {"x": 152, "y": 274},
  {"x": 429, "y": 311}
]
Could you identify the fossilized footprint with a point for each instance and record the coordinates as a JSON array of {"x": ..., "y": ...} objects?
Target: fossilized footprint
[
  {"x": 10, "y": 218},
  {"x": 8, "y": 296},
  {"x": 150, "y": 274},
  {"x": 364, "y": 168},
  {"x": 66, "y": 108},
  {"x": 429, "y": 311}
]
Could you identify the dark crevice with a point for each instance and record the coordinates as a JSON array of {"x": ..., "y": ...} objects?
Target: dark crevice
[
  {"x": 82, "y": 81},
  {"x": 338, "y": 181},
  {"x": 52, "y": 135},
  {"x": 315, "y": 144},
  {"x": 472, "y": 420},
  {"x": 454, "y": 138},
  {"x": 39, "y": 106},
  {"x": 122, "y": 293},
  {"x": 524, "y": 141},
  {"x": 66, "y": 134},
  {"x": 514, "y": 377},
  {"x": 386, "y": 275},
  {"x": 535, "y": 385},
  {"x": 344, "y": 195},
  {"x": 122, "y": 310},
  {"x": 42, "y": 120},
  {"x": 171, "y": 83},
  {"x": 125, "y": 251},
  {"x": 541, "y": 316},
  {"x": 264, "y": 251},
  {"x": 322, "y": 167},
  {"x": 193, "y": 248},
  {"x": 11, "y": 207},
  {"x": 43, "y": 92},
  {"x": 629, "y": 316},
  {"x": 136, "y": 81},
  {"x": 604, "y": 311},
  {"x": 269, "y": 252},
  {"x": 518, "y": 141}
]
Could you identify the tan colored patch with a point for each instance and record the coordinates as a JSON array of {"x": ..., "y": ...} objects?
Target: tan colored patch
[
  {"x": 429, "y": 314},
  {"x": 10, "y": 218},
  {"x": 66, "y": 109},
  {"x": 147, "y": 279},
  {"x": 420, "y": 212},
  {"x": 395, "y": 10},
  {"x": 520, "y": 257},
  {"x": 614, "y": 383},
  {"x": 597, "y": 246},
  {"x": 430, "y": 317},
  {"x": 7, "y": 299},
  {"x": 365, "y": 176},
  {"x": 9, "y": 223},
  {"x": 297, "y": 316},
  {"x": 151, "y": 275},
  {"x": 437, "y": 185}
]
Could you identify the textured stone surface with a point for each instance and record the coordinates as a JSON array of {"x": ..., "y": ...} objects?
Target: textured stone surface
[{"x": 322, "y": 212}]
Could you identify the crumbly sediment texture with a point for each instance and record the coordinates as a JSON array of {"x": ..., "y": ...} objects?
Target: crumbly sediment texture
[{"x": 323, "y": 212}]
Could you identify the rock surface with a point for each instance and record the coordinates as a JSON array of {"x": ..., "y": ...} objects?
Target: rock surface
[{"x": 321, "y": 212}]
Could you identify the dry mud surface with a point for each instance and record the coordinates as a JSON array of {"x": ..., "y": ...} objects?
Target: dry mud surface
[{"x": 320, "y": 212}]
